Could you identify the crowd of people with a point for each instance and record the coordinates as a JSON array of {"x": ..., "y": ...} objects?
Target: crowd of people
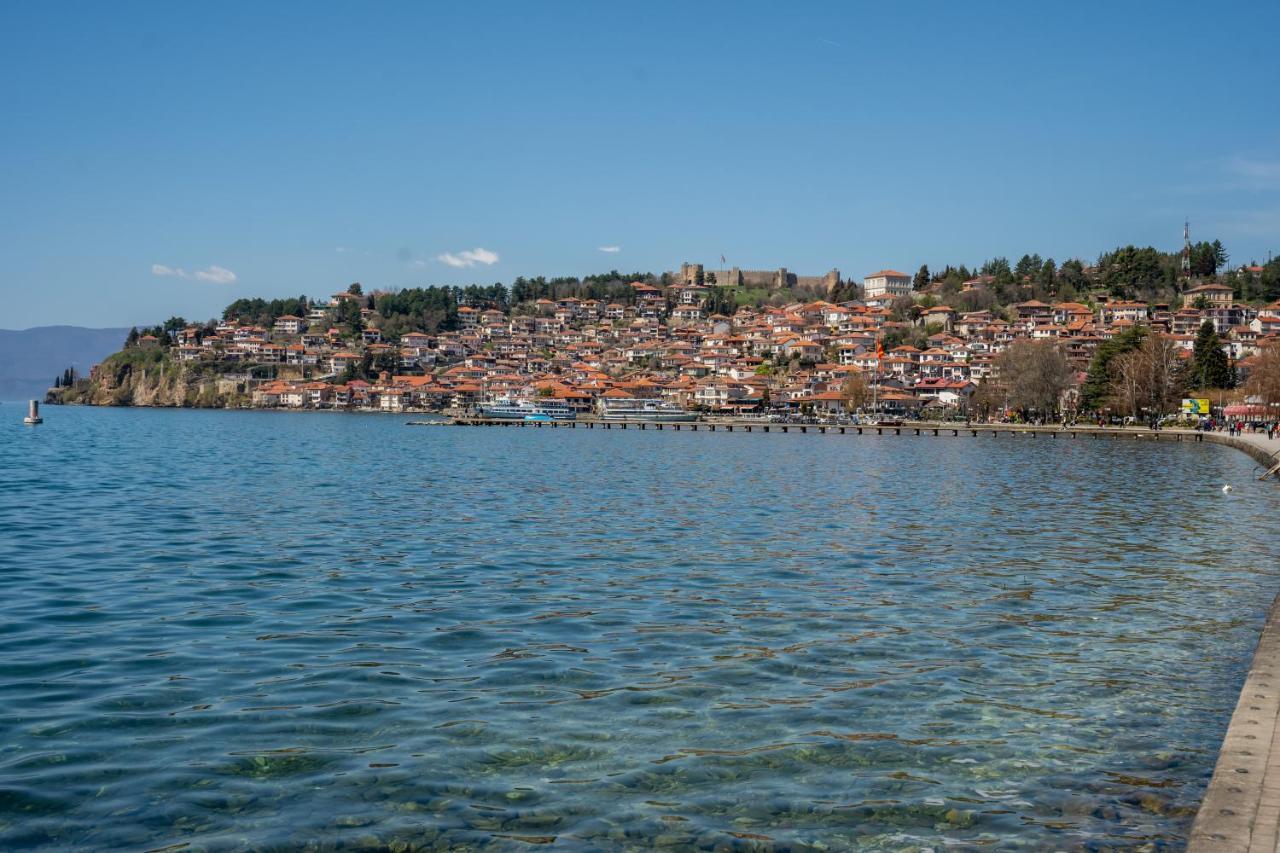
[{"x": 1233, "y": 426}]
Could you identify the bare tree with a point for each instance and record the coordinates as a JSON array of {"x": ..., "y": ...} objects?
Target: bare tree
[
  {"x": 855, "y": 391},
  {"x": 1264, "y": 378},
  {"x": 1035, "y": 374},
  {"x": 1149, "y": 378},
  {"x": 1126, "y": 382},
  {"x": 1165, "y": 374},
  {"x": 987, "y": 398}
]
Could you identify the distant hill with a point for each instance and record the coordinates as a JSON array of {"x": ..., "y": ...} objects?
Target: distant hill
[{"x": 31, "y": 358}]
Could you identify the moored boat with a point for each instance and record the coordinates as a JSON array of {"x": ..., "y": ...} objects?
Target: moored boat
[
  {"x": 520, "y": 409},
  {"x": 652, "y": 411}
]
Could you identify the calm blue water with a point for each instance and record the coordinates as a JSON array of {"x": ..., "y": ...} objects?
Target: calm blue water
[{"x": 253, "y": 629}]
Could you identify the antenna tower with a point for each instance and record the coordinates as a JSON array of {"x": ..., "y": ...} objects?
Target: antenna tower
[{"x": 1186, "y": 247}]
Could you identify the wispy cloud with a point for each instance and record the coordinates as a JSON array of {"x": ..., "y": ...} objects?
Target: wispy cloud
[
  {"x": 610, "y": 249},
  {"x": 212, "y": 273},
  {"x": 1253, "y": 173},
  {"x": 217, "y": 275},
  {"x": 469, "y": 258},
  {"x": 1264, "y": 222}
]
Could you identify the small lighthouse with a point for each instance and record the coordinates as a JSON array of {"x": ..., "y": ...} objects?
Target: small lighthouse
[{"x": 33, "y": 413}]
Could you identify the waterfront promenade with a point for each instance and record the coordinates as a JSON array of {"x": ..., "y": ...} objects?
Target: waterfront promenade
[
  {"x": 1266, "y": 452},
  {"x": 1241, "y": 809}
]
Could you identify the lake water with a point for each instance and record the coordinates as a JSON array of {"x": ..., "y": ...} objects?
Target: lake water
[{"x": 237, "y": 629}]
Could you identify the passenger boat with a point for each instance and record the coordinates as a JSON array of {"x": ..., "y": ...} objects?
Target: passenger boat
[
  {"x": 524, "y": 409},
  {"x": 653, "y": 411}
]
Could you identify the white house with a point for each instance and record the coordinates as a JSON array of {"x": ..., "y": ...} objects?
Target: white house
[{"x": 886, "y": 283}]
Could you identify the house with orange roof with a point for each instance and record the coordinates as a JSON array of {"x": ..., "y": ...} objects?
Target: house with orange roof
[
  {"x": 887, "y": 282},
  {"x": 1213, "y": 294},
  {"x": 287, "y": 324},
  {"x": 940, "y": 315}
]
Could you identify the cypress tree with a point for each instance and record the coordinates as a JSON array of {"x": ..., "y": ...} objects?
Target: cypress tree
[{"x": 1210, "y": 367}]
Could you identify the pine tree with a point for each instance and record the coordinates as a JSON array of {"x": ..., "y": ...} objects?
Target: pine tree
[
  {"x": 921, "y": 280},
  {"x": 1048, "y": 276}
]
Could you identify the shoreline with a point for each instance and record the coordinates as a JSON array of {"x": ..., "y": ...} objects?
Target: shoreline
[{"x": 1262, "y": 450}]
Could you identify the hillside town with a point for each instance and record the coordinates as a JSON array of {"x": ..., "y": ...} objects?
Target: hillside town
[{"x": 894, "y": 347}]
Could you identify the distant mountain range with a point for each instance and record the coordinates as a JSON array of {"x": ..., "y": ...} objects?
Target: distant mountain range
[{"x": 31, "y": 358}]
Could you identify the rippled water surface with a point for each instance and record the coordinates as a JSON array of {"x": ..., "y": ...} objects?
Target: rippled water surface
[{"x": 268, "y": 630}]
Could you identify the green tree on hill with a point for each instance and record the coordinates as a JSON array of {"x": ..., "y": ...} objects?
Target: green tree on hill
[
  {"x": 721, "y": 300},
  {"x": 260, "y": 312},
  {"x": 1096, "y": 391},
  {"x": 1210, "y": 367},
  {"x": 348, "y": 317},
  {"x": 1268, "y": 284},
  {"x": 1047, "y": 277},
  {"x": 1027, "y": 266},
  {"x": 921, "y": 281},
  {"x": 1130, "y": 272},
  {"x": 1208, "y": 258}
]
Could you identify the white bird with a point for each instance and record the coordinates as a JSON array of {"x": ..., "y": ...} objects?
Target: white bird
[{"x": 1226, "y": 490}]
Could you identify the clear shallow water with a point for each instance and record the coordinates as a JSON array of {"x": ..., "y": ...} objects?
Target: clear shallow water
[{"x": 269, "y": 630}]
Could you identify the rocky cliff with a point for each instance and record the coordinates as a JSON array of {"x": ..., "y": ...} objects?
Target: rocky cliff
[{"x": 139, "y": 377}]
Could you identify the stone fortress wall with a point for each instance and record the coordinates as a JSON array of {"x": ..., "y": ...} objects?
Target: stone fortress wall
[{"x": 771, "y": 279}]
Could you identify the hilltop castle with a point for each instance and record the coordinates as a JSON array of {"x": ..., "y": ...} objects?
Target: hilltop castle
[{"x": 771, "y": 279}]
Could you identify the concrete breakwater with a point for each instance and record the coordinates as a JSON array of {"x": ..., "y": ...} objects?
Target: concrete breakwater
[{"x": 1241, "y": 809}]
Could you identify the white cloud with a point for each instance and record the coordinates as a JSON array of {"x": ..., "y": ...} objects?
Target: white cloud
[
  {"x": 610, "y": 249},
  {"x": 217, "y": 275},
  {"x": 469, "y": 258},
  {"x": 213, "y": 273}
]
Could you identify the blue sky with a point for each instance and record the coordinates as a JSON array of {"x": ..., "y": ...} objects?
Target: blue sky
[{"x": 166, "y": 158}]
